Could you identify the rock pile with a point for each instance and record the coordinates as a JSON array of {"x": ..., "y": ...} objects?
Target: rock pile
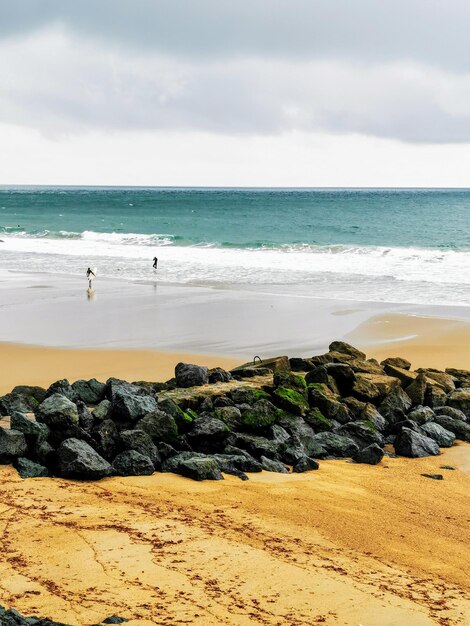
[
  {"x": 11, "y": 617},
  {"x": 277, "y": 415}
]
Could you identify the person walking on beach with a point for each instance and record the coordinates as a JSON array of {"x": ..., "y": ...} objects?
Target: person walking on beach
[
  {"x": 155, "y": 262},
  {"x": 90, "y": 274}
]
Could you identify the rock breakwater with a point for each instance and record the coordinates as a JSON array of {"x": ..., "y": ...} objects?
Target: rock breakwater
[{"x": 277, "y": 415}]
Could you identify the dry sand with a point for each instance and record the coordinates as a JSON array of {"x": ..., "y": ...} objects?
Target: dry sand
[
  {"x": 32, "y": 365},
  {"x": 348, "y": 544},
  {"x": 425, "y": 341}
]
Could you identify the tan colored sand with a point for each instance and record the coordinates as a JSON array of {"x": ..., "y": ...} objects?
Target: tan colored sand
[
  {"x": 427, "y": 341},
  {"x": 348, "y": 544},
  {"x": 30, "y": 365}
]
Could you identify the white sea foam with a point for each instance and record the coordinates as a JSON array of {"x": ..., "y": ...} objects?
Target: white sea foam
[{"x": 352, "y": 272}]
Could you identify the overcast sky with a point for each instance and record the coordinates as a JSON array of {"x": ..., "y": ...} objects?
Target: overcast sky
[{"x": 218, "y": 92}]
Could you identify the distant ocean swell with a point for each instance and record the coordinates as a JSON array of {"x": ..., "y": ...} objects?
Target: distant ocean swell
[{"x": 377, "y": 273}]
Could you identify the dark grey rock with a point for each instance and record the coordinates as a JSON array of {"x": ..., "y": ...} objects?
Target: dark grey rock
[
  {"x": 230, "y": 415},
  {"x": 335, "y": 446},
  {"x": 219, "y": 375},
  {"x": 115, "y": 619},
  {"x": 132, "y": 463},
  {"x": 456, "y": 414},
  {"x": 305, "y": 464},
  {"x": 421, "y": 414},
  {"x": 222, "y": 401},
  {"x": 259, "y": 416},
  {"x": 397, "y": 362},
  {"x": 160, "y": 426},
  {"x": 76, "y": 459},
  {"x": 57, "y": 411},
  {"x": 12, "y": 445},
  {"x": 188, "y": 375},
  {"x": 460, "y": 428},
  {"x": 85, "y": 417},
  {"x": 417, "y": 390},
  {"x": 62, "y": 387},
  {"x": 103, "y": 411},
  {"x": 22, "y": 398},
  {"x": 29, "y": 469},
  {"x": 434, "y": 476},
  {"x": 363, "y": 433},
  {"x": 34, "y": 432},
  {"x": 106, "y": 439},
  {"x": 444, "y": 438},
  {"x": 131, "y": 407},
  {"x": 89, "y": 391},
  {"x": 301, "y": 365},
  {"x": 255, "y": 445},
  {"x": 140, "y": 441},
  {"x": 372, "y": 455},
  {"x": 208, "y": 434},
  {"x": 273, "y": 466},
  {"x": 395, "y": 405},
  {"x": 412, "y": 444},
  {"x": 193, "y": 465},
  {"x": 370, "y": 414},
  {"x": 44, "y": 454},
  {"x": 116, "y": 385}
]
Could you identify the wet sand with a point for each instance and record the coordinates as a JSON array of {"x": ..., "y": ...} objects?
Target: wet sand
[{"x": 349, "y": 544}]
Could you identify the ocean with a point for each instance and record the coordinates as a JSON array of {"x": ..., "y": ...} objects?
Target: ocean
[{"x": 382, "y": 245}]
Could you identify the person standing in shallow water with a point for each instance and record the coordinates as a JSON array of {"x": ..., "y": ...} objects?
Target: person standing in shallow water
[
  {"x": 90, "y": 275},
  {"x": 155, "y": 262}
]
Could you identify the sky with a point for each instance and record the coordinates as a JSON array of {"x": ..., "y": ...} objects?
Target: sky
[{"x": 223, "y": 93}]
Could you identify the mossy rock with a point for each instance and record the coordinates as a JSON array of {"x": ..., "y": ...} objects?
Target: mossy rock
[
  {"x": 291, "y": 401},
  {"x": 290, "y": 381},
  {"x": 248, "y": 395},
  {"x": 318, "y": 421},
  {"x": 322, "y": 388},
  {"x": 261, "y": 415},
  {"x": 182, "y": 418}
]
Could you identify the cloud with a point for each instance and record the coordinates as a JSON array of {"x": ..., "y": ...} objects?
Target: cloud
[
  {"x": 60, "y": 84},
  {"x": 430, "y": 32}
]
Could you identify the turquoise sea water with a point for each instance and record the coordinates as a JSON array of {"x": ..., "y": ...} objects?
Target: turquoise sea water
[{"x": 406, "y": 245}]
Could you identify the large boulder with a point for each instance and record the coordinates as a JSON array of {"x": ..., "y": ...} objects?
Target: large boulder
[
  {"x": 188, "y": 375},
  {"x": 34, "y": 432},
  {"x": 29, "y": 469},
  {"x": 230, "y": 415},
  {"x": 160, "y": 426},
  {"x": 103, "y": 410},
  {"x": 371, "y": 455},
  {"x": 116, "y": 385},
  {"x": 305, "y": 464},
  {"x": 412, "y": 444},
  {"x": 363, "y": 433},
  {"x": 395, "y": 405},
  {"x": 273, "y": 466},
  {"x": 396, "y": 361},
  {"x": 235, "y": 464},
  {"x": 421, "y": 414},
  {"x": 208, "y": 434},
  {"x": 417, "y": 390},
  {"x": 328, "y": 404},
  {"x": 455, "y": 414},
  {"x": 22, "y": 398},
  {"x": 247, "y": 395},
  {"x": 460, "y": 428},
  {"x": 57, "y": 411},
  {"x": 219, "y": 375},
  {"x": 335, "y": 446},
  {"x": 446, "y": 381},
  {"x": 405, "y": 376},
  {"x": 129, "y": 407},
  {"x": 291, "y": 400},
  {"x": 346, "y": 348},
  {"x": 373, "y": 387},
  {"x": 261, "y": 414},
  {"x": 106, "y": 439},
  {"x": 132, "y": 463},
  {"x": 460, "y": 399},
  {"x": 462, "y": 376},
  {"x": 371, "y": 415},
  {"x": 89, "y": 391},
  {"x": 193, "y": 465},
  {"x": 12, "y": 445},
  {"x": 141, "y": 442},
  {"x": 444, "y": 438},
  {"x": 255, "y": 445},
  {"x": 76, "y": 459}
]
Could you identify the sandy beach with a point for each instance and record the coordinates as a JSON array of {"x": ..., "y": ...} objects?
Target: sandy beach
[{"x": 350, "y": 544}]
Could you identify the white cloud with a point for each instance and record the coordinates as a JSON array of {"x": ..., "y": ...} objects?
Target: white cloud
[{"x": 56, "y": 83}]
